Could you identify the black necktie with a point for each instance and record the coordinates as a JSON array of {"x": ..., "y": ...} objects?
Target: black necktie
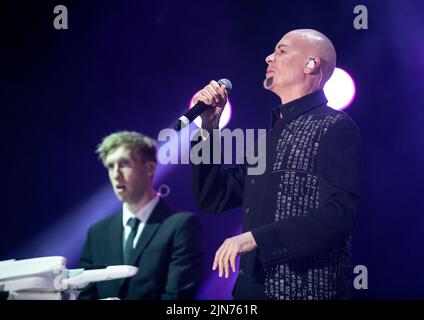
[{"x": 128, "y": 249}]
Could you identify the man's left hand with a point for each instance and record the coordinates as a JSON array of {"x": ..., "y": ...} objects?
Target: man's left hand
[{"x": 230, "y": 249}]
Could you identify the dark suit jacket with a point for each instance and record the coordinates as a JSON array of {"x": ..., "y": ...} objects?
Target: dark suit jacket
[
  {"x": 168, "y": 255},
  {"x": 301, "y": 211}
]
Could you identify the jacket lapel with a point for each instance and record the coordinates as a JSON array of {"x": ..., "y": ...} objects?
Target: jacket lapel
[
  {"x": 116, "y": 240},
  {"x": 116, "y": 247},
  {"x": 156, "y": 218}
]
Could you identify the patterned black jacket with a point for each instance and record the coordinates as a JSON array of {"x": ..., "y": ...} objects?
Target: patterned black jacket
[{"x": 301, "y": 211}]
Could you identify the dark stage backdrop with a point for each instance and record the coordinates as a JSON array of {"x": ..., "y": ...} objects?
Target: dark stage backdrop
[{"x": 135, "y": 64}]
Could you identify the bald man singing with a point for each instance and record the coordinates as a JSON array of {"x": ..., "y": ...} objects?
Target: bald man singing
[{"x": 300, "y": 213}]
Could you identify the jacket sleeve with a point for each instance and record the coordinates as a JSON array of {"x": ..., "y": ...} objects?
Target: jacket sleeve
[
  {"x": 216, "y": 189},
  {"x": 185, "y": 268},
  {"x": 89, "y": 292},
  {"x": 339, "y": 179}
]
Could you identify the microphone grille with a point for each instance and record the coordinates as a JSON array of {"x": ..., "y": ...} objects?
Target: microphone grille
[{"x": 227, "y": 84}]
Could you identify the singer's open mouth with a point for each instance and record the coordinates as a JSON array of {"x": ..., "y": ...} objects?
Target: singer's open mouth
[{"x": 120, "y": 187}]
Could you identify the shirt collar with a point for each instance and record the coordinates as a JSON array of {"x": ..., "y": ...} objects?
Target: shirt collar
[
  {"x": 144, "y": 213},
  {"x": 295, "y": 108}
]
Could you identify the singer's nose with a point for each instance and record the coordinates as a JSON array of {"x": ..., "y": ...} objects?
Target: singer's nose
[
  {"x": 116, "y": 173},
  {"x": 269, "y": 58}
]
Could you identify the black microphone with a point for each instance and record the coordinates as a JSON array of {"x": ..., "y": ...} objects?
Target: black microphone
[{"x": 198, "y": 108}]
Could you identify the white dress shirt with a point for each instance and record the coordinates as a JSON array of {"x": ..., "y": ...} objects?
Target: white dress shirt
[{"x": 143, "y": 215}]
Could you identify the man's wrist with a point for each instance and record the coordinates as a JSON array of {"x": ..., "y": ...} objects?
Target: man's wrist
[
  {"x": 252, "y": 240},
  {"x": 210, "y": 127},
  {"x": 204, "y": 134}
]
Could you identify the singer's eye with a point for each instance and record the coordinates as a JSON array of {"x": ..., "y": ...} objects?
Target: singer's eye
[{"x": 124, "y": 164}]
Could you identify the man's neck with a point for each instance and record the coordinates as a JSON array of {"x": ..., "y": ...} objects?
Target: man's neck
[
  {"x": 290, "y": 94},
  {"x": 136, "y": 207}
]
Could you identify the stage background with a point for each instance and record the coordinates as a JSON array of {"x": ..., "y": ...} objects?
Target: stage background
[{"x": 134, "y": 65}]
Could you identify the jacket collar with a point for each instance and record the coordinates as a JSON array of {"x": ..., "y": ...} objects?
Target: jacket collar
[{"x": 296, "y": 108}]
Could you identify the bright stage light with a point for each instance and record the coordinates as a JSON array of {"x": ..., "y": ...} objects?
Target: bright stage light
[{"x": 340, "y": 90}]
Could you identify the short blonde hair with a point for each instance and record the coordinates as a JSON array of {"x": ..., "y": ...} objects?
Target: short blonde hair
[{"x": 141, "y": 143}]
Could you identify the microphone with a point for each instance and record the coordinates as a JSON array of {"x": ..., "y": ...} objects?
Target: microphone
[{"x": 198, "y": 108}]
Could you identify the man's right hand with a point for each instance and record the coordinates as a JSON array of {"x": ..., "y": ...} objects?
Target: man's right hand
[{"x": 216, "y": 96}]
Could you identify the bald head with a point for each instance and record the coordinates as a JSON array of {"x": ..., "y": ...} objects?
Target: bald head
[
  {"x": 315, "y": 44},
  {"x": 290, "y": 73}
]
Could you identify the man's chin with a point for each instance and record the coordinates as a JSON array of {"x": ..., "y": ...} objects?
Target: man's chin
[
  {"x": 268, "y": 83},
  {"x": 121, "y": 197}
]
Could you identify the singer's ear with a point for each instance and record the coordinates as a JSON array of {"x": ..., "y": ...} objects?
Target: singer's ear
[
  {"x": 312, "y": 65},
  {"x": 151, "y": 167}
]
